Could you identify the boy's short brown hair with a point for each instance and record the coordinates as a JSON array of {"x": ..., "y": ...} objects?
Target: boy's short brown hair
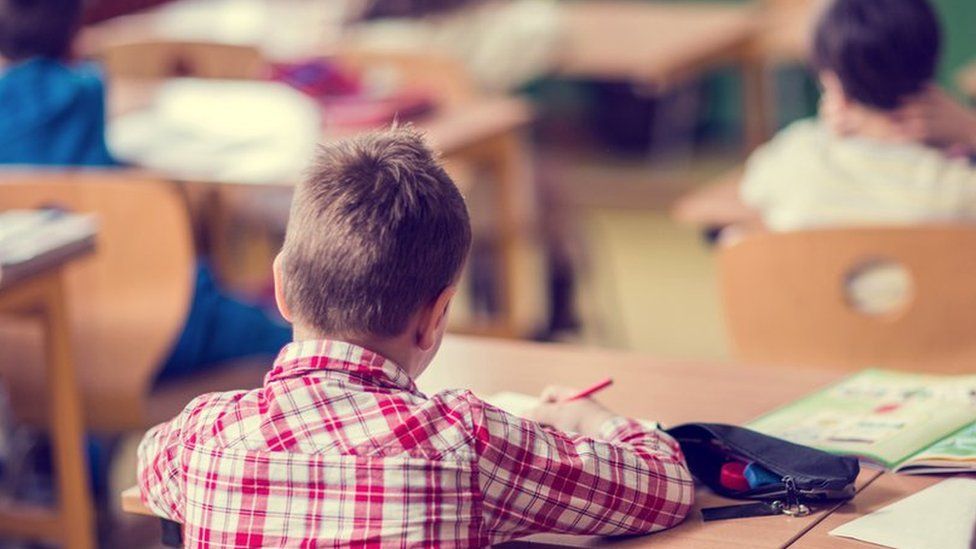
[{"x": 377, "y": 230}]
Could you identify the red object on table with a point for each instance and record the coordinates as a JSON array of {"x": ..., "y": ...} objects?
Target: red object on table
[
  {"x": 590, "y": 391},
  {"x": 733, "y": 476}
]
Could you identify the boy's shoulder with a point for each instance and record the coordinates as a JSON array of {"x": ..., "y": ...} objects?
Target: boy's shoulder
[
  {"x": 802, "y": 133},
  {"x": 451, "y": 419},
  {"x": 203, "y": 415},
  {"x": 799, "y": 140}
]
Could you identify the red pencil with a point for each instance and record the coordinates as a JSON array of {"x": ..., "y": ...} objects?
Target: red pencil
[{"x": 590, "y": 391}]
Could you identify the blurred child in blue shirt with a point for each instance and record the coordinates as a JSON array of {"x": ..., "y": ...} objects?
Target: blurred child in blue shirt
[{"x": 52, "y": 112}]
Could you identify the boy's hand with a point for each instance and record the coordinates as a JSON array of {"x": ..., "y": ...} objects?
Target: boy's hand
[
  {"x": 583, "y": 416},
  {"x": 936, "y": 118}
]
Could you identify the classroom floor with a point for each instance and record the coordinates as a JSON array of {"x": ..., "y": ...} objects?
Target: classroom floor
[{"x": 648, "y": 284}]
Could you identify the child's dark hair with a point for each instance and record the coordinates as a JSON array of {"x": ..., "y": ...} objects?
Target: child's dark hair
[
  {"x": 882, "y": 51},
  {"x": 38, "y": 28}
]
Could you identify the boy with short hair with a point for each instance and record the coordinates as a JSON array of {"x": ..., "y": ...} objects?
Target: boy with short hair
[
  {"x": 340, "y": 448},
  {"x": 861, "y": 164}
]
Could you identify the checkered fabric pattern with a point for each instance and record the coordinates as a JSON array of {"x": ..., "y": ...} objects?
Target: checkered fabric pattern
[{"x": 339, "y": 448}]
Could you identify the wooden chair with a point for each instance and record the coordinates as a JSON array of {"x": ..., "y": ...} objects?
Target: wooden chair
[
  {"x": 164, "y": 59},
  {"x": 786, "y": 298},
  {"x": 127, "y": 303}
]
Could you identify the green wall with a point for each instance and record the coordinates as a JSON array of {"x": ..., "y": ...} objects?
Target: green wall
[
  {"x": 959, "y": 24},
  {"x": 798, "y": 95}
]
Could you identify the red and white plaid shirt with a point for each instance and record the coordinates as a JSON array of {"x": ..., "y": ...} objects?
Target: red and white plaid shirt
[{"x": 339, "y": 448}]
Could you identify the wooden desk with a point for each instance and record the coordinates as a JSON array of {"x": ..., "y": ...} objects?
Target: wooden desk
[
  {"x": 452, "y": 129},
  {"x": 787, "y": 28},
  {"x": 35, "y": 289},
  {"x": 672, "y": 392},
  {"x": 882, "y": 491},
  {"x": 656, "y": 44},
  {"x": 659, "y": 44},
  {"x": 652, "y": 42}
]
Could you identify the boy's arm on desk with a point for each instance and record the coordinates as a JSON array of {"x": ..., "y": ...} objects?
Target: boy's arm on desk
[{"x": 631, "y": 479}]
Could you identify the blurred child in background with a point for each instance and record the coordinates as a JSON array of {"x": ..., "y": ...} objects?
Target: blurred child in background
[
  {"x": 888, "y": 148},
  {"x": 52, "y": 112}
]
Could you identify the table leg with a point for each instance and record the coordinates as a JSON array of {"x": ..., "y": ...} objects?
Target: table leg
[
  {"x": 507, "y": 160},
  {"x": 755, "y": 97},
  {"x": 67, "y": 429}
]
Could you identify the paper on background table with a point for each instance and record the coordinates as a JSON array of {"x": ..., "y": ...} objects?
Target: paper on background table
[
  {"x": 942, "y": 516},
  {"x": 26, "y": 234}
]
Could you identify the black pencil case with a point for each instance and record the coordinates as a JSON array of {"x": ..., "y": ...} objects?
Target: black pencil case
[{"x": 805, "y": 474}]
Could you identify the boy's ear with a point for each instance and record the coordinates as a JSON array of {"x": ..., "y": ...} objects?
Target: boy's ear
[
  {"x": 279, "y": 288},
  {"x": 434, "y": 320}
]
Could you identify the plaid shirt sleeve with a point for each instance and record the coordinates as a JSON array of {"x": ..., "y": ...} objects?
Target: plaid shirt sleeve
[
  {"x": 160, "y": 463},
  {"x": 631, "y": 480}
]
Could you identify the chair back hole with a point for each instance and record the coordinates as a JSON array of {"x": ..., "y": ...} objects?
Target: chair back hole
[{"x": 879, "y": 287}]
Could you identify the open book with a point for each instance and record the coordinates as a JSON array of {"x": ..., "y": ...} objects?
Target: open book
[{"x": 911, "y": 423}]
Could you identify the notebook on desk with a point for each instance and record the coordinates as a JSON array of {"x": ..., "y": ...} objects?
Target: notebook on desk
[
  {"x": 517, "y": 404},
  {"x": 28, "y": 235},
  {"x": 910, "y": 423}
]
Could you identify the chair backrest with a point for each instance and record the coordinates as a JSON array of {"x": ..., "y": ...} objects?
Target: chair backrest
[
  {"x": 127, "y": 302},
  {"x": 788, "y": 300},
  {"x": 164, "y": 59}
]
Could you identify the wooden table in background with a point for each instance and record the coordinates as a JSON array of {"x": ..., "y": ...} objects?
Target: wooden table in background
[
  {"x": 656, "y": 44},
  {"x": 35, "y": 289},
  {"x": 661, "y": 44},
  {"x": 672, "y": 392},
  {"x": 787, "y": 27}
]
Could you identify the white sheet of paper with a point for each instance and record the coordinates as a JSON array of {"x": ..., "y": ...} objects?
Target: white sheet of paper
[
  {"x": 943, "y": 516},
  {"x": 516, "y": 404}
]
